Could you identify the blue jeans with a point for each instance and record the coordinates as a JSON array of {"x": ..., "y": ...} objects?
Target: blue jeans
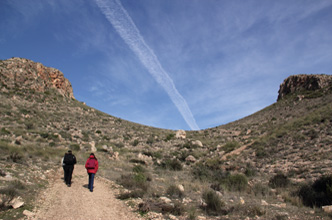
[{"x": 91, "y": 179}]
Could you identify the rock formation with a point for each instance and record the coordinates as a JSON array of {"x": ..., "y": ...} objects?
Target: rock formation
[
  {"x": 297, "y": 83},
  {"x": 23, "y": 74}
]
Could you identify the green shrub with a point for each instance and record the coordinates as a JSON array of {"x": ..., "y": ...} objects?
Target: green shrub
[
  {"x": 138, "y": 169},
  {"x": 236, "y": 182},
  {"x": 75, "y": 147},
  {"x": 169, "y": 137},
  {"x": 4, "y": 131},
  {"x": 230, "y": 146},
  {"x": 7, "y": 194},
  {"x": 15, "y": 156},
  {"x": 317, "y": 194},
  {"x": 279, "y": 181},
  {"x": 174, "y": 164},
  {"x": 213, "y": 202},
  {"x": 135, "y": 142},
  {"x": 174, "y": 191}
]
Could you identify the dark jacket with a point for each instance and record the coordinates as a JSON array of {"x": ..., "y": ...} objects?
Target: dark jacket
[{"x": 69, "y": 160}]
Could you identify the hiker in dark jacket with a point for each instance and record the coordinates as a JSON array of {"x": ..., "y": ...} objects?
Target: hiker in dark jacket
[
  {"x": 91, "y": 166},
  {"x": 69, "y": 160}
]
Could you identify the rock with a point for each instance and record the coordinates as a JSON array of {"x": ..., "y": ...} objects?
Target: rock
[
  {"x": 303, "y": 82},
  {"x": 115, "y": 156},
  {"x": 181, "y": 188},
  {"x": 17, "y": 203},
  {"x": 327, "y": 209},
  {"x": 165, "y": 200},
  {"x": 264, "y": 203},
  {"x": 104, "y": 148},
  {"x": 181, "y": 134},
  {"x": 197, "y": 142},
  {"x": 147, "y": 159},
  {"x": 191, "y": 159},
  {"x": 28, "y": 213},
  {"x": 242, "y": 201},
  {"x": 20, "y": 73}
]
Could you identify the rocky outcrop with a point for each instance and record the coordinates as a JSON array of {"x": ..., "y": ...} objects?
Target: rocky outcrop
[
  {"x": 23, "y": 74},
  {"x": 302, "y": 82}
]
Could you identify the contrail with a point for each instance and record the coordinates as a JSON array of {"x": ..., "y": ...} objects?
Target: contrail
[{"x": 124, "y": 25}]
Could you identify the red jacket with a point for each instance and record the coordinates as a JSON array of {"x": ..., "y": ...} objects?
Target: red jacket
[{"x": 96, "y": 165}]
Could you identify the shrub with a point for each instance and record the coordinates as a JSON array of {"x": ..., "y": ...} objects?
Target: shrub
[
  {"x": 4, "y": 131},
  {"x": 317, "y": 194},
  {"x": 230, "y": 146},
  {"x": 213, "y": 202},
  {"x": 169, "y": 137},
  {"x": 75, "y": 147},
  {"x": 138, "y": 169},
  {"x": 236, "y": 182},
  {"x": 174, "y": 165},
  {"x": 174, "y": 191},
  {"x": 135, "y": 143},
  {"x": 15, "y": 156},
  {"x": 260, "y": 189},
  {"x": 279, "y": 181},
  {"x": 8, "y": 193}
]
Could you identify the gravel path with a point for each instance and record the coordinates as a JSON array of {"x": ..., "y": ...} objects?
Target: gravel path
[{"x": 77, "y": 202}]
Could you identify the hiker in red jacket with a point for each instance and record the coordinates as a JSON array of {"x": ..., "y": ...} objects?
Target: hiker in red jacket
[{"x": 91, "y": 166}]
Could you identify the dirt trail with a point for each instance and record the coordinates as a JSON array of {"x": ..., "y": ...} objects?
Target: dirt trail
[{"x": 77, "y": 202}]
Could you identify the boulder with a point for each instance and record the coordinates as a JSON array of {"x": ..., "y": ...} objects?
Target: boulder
[
  {"x": 197, "y": 142},
  {"x": 147, "y": 159},
  {"x": 191, "y": 159},
  {"x": 181, "y": 134},
  {"x": 17, "y": 203},
  {"x": 327, "y": 209},
  {"x": 28, "y": 213}
]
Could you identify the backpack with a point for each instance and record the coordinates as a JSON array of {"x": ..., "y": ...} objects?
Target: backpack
[
  {"x": 69, "y": 159},
  {"x": 91, "y": 164}
]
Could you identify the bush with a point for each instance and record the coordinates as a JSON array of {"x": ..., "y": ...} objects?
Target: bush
[
  {"x": 135, "y": 142},
  {"x": 317, "y": 194},
  {"x": 230, "y": 146},
  {"x": 236, "y": 182},
  {"x": 7, "y": 194},
  {"x": 174, "y": 191},
  {"x": 174, "y": 165},
  {"x": 279, "y": 181},
  {"x": 75, "y": 147},
  {"x": 213, "y": 202},
  {"x": 4, "y": 131},
  {"x": 138, "y": 169},
  {"x": 169, "y": 137}
]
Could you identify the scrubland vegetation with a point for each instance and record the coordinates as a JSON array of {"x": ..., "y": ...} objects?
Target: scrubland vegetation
[{"x": 274, "y": 164}]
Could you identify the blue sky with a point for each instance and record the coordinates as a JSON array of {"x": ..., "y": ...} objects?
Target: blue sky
[{"x": 175, "y": 64}]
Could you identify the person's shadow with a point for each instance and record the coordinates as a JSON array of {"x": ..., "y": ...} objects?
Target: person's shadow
[{"x": 86, "y": 186}]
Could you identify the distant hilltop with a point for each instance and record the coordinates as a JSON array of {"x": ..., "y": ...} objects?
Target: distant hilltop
[
  {"x": 23, "y": 74},
  {"x": 304, "y": 82}
]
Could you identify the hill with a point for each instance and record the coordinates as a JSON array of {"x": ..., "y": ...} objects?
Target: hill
[{"x": 232, "y": 171}]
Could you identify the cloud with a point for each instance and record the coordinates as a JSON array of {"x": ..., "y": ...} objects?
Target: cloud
[{"x": 123, "y": 24}]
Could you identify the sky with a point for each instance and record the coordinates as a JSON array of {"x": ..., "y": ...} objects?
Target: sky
[{"x": 173, "y": 64}]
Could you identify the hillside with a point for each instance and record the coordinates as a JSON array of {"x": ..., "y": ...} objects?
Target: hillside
[{"x": 220, "y": 172}]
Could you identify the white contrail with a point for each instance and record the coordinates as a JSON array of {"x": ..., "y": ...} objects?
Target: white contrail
[{"x": 124, "y": 25}]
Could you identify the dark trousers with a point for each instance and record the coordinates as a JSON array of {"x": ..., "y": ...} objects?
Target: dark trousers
[
  {"x": 68, "y": 173},
  {"x": 91, "y": 180}
]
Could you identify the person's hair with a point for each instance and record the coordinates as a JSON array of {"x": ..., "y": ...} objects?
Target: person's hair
[{"x": 94, "y": 156}]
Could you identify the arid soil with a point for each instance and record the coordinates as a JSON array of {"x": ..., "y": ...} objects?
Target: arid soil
[{"x": 77, "y": 202}]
